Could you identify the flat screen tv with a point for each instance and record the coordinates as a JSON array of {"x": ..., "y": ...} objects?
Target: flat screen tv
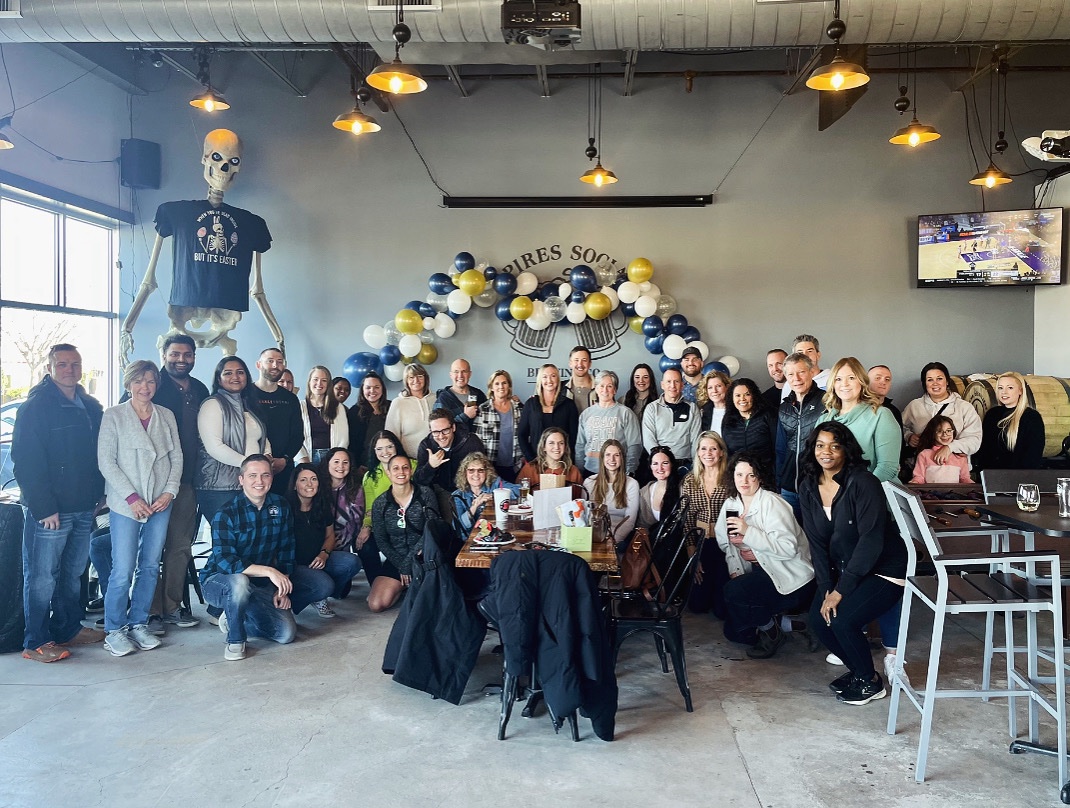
[{"x": 994, "y": 248}]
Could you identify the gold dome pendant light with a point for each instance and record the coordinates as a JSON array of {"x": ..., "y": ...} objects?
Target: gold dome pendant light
[
  {"x": 915, "y": 133},
  {"x": 993, "y": 176},
  {"x": 209, "y": 100},
  {"x": 839, "y": 74},
  {"x": 356, "y": 122},
  {"x": 398, "y": 78},
  {"x": 597, "y": 176}
]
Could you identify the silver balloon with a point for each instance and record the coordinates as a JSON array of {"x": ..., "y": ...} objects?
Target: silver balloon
[
  {"x": 427, "y": 337},
  {"x": 606, "y": 274},
  {"x": 437, "y": 302},
  {"x": 487, "y": 298},
  {"x": 666, "y": 306},
  {"x": 393, "y": 335},
  {"x": 556, "y": 308}
]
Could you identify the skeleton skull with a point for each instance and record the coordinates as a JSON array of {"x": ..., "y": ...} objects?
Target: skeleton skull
[{"x": 221, "y": 159}]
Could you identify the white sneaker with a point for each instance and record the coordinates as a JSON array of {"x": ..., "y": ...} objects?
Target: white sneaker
[
  {"x": 223, "y": 623},
  {"x": 234, "y": 651},
  {"x": 832, "y": 659},
  {"x": 143, "y": 638},
  {"x": 889, "y": 666}
]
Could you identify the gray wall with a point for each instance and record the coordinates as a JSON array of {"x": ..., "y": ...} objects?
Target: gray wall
[{"x": 810, "y": 231}]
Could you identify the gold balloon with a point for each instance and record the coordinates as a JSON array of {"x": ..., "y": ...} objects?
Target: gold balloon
[
  {"x": 428, "y": 354},
  {"x": 636, "y": 324},
  {"x": 598, "y": 306},
  {"x": 640, "y": 270},
  {"x": 409, "y": 321},
  {"x": 521, "y": 307},
  {"x": 472, "y": 282},
  {"x": 408, "y": 360}
]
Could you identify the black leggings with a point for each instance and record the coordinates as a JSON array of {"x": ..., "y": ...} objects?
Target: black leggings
[{"x": 844, "y": 636}]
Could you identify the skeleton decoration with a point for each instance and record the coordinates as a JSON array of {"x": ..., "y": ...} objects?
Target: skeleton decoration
[{"x": 211, "y": 245}]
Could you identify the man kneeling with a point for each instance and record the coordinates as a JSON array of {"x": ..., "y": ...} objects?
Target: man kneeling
[{"x": 250, "y": 574}]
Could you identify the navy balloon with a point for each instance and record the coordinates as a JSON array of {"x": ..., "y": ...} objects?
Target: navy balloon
[
  {"x": 677, "y": 324},
  {"x": 504, "y": 283},
  {"x": 628, "y": 309},
  {"x": 359, "y": 365},
  {"x": 652, "y": 326},
  {"x": 721, "y": 366},
  {"x": 389, "y": 355},
  {"x": 463, "y": 261},
  {"x": 665, "y": 363},
  {"x": 490, "y": 273},
  {"x": 440, "y": 283},
  {"x": 415, "y": 305},
  {"x": 691, "y": 334},
  {"x": 426, "y": 310},
  {"x": 551, "y": 289},
  {"x": 653, "y": 344},
  {"x": 577, "y": 297},
  {"x": 501, "y": 308},
  {"x": 583, "y": 278}
]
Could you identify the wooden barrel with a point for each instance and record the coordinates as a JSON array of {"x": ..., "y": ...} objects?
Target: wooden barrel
[
  {"x": 1048, "y": 395},
  {"x": 958, "y": 384}
]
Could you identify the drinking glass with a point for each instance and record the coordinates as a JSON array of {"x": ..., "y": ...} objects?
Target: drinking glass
[
  {"x": 1028, "y": 497},
  {"x": 1063, "y": 491}
]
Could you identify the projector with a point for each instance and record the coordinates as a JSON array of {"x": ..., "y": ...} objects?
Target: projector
[
  {"x": 545, "y": 24},
  {"x": 1053, "y": 145}
]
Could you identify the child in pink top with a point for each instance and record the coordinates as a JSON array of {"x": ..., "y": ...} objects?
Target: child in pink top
[{"x": 940, "y": 432}]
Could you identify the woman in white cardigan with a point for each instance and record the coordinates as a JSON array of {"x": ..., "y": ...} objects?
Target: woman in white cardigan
[
  {"x": 140, "y": 456},
  {"x": 767, "y": 553},
  {"x": 323, "y": 417},
  {"x": 408, "y": 413}
]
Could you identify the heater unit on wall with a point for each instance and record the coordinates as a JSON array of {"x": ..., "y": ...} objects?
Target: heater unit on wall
[{"x": 544, "y": 24}]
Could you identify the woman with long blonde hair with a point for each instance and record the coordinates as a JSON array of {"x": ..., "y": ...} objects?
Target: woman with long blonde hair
[
  {"x": 1012, "y": 432},
  {"x": 705, "y": 491},
  {"x": 548, "y": 407},
  {"x": 324, "y": 418}
]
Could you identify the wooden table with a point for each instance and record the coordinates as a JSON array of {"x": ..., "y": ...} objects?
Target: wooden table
[{"x": 601, "y": 558}]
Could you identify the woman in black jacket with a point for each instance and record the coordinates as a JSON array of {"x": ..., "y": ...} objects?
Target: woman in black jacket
[
  {"x": 749, "y": 426},
  {"x": 548, "y": 407},
  {"x": 859, "y": 559}
]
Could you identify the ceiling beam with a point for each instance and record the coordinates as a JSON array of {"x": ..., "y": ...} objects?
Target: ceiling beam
[
  {"x": 631, "y": 56},
  {"x": 260, "y": 57}
]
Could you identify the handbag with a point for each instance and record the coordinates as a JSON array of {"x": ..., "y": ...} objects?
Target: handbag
[{"x": 637, "y": 569}]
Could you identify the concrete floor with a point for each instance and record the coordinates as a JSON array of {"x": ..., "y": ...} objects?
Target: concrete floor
[{"x": 316, "y": 723}]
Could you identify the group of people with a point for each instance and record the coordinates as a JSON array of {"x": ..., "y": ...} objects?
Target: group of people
[{"x": 302, "y": 493}]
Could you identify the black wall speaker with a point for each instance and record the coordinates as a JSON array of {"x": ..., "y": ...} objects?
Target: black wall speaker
[{"x": 139, "y": 164}]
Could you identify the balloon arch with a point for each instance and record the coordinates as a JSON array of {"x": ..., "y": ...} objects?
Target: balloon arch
[{"x": 587, "y": 292}]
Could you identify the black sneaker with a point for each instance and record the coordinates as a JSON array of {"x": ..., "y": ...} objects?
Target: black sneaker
[
  {"x": 862, "y": 691},
  {"x": 841, "y": 683},
  {"x": 769, "y": 641},
  {"x": 95, "y": 606}
]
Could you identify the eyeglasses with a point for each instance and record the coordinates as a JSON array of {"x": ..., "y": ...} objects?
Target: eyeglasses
[
  {"x": 441, "y": 433},
  {"x": 401, "y": 518},
  {"x": 945, "y": 432},
  {"x": 476, "y": 469}
]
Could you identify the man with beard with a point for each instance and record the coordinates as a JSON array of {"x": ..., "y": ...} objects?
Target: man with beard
[
  {"x": 691, "y": 368},
  {"x": 774, "y": 363},
  {"x": 280, "y": 410}
]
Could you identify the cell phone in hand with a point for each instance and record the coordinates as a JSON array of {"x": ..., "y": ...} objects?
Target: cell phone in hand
[{"x": 731, "y": 514}]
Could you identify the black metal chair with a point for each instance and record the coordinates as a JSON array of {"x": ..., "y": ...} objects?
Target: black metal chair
[{"x": 661, "y": 614}]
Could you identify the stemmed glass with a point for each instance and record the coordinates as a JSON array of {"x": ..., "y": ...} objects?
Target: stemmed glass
[{"x": 1028, "y": 497}]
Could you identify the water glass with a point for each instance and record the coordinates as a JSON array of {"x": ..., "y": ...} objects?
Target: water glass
[
  {"x": 1063, "y": 491},
  {"x": 1028, "y": 497}
]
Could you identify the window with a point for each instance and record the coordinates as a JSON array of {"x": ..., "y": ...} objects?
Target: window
[{"x": 58, "y": 283}]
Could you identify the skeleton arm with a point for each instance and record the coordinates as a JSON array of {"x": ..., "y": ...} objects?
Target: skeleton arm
[
  {"x": 257, "y": 291},
  {"x": 148, "y": 286}
]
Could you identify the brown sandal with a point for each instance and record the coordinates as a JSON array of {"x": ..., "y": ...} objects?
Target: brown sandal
[{"x": 49, "y": 652}]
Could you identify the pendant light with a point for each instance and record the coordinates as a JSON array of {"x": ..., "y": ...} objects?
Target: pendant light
[
  {"x": 993, "y": 176},
  {"x": 398, "y": 78},
  {"x": 839, "y": 74},
  {"x": 356, "y": 122},
  {"x": 5, "y": 142},
  {"x": 208, "y": 100},
  {"x": 597, "y": 176},
  {"x": 914, "y": 133}
]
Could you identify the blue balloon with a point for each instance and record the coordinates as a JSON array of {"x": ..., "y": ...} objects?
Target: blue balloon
[
  {"x": 463, "y": 261},
  {"x": 677, "y": 324},
  {"x": 359, "y": 365},
  {"x": 415, "y": 305},
  {"x": 665, "y": 363},
  {"x": 440, "y": 283},
  {"x": 721, "y": 366},
  {"x": 691, "y": 334},
  {"x": 389, "y": 355},
  {"x": 628, "y": 309},
  {"x": 583, "y": 278},
  {"x": 652, "y": 326},
  {"x": 653, "y": 344},
  {"x": 452, "y": 314},
  {"x": 551, "y": 289},
  {"x": 501, "y": 308},
  {"x": 490, "y": 273},
  {"x": 426, "y": 310},
  {"x": 577, "y": 297},
  {"x": 504, "y": 283}
]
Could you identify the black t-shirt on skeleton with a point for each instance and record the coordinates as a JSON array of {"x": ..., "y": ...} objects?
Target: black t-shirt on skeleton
[{"x": 213, "y": 252}]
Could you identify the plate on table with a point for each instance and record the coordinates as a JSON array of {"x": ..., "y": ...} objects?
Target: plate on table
[
  {"x": 492, "y": 541},
  {"x": 520, "y": 510}
]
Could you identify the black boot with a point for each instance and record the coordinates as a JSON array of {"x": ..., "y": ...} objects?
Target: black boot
[{"x": 769, "y": 641}]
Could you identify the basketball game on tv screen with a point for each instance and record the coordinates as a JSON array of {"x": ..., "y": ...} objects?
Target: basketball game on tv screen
[{"x": 997, "y": 248}]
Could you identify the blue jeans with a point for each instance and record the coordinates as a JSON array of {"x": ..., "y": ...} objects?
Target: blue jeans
[
  {"x": 212, "y": 502},
  {"x": 341, "y": 565},
  {"x": 52, "y": 565},
  {"x": 310, "y": 586},
  {"x": 250, "y": 608},
  {"x": 100, "y": 555},
  {"x": 135, "y": 557}
]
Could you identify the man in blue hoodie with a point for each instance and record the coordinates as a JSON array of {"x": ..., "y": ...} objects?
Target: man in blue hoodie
[{"x": 54, "y": 447}]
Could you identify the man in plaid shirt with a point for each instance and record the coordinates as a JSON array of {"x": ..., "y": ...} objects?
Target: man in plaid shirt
[{"x": 250, "y": 574}]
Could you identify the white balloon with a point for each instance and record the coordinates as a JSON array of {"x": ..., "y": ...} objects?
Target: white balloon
[
  {"x": 375, "y": 336},
  {"x": 488, "y": 297},
  {"x": 564, "y": 291},
  {"x": 645, "y": 306},
  {"x": 437, "y": 301},
  {"x": 673, "y": 347},
  {"x": 540, "y": 317},
  {"x": 556, "y": 308},
  {"x": 429, "y": 322},
  {"x": 644, "y": 287},
  {"x": 526, "y": 283},
  {"x": 458, "y": 302},
  {"x": 730, "y": 362},
  {"x": 653, "y": 290},
  {"x": 703, "y": 348},
  {"x": 394, "y": 372},
  {"x": 575, "y": 313},
  {"x": 410, "y": 345},
  {"x": 611, "y": 293},
  {"x": 629, "y": 292},
  {"x": 445, "y": 326}
]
